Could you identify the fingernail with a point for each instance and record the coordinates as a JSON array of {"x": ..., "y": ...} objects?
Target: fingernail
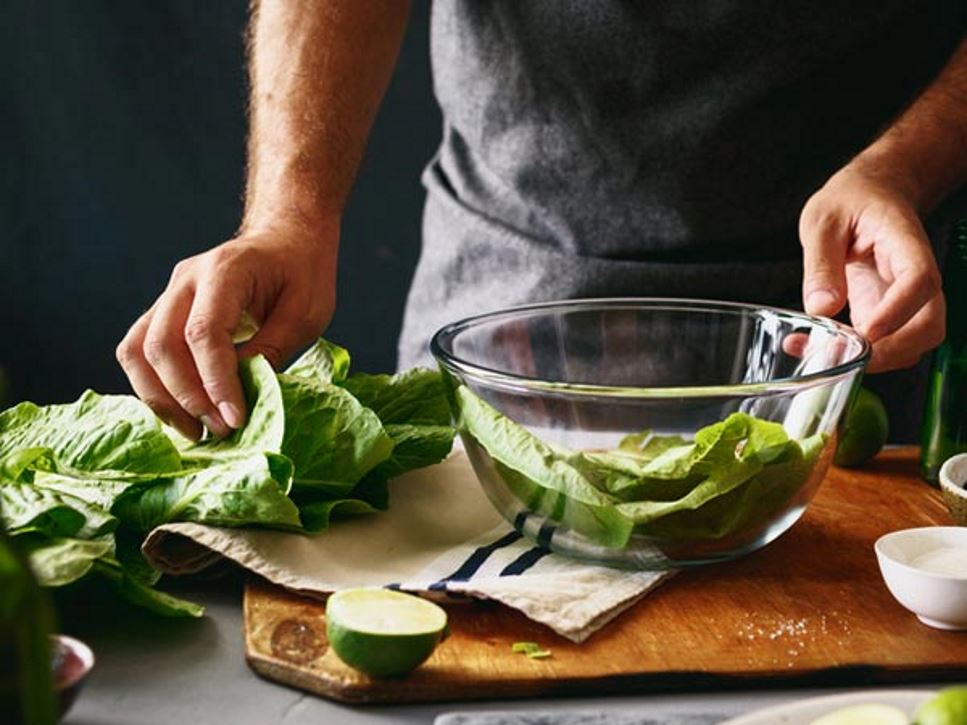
[
  {"x": 231, "y": 415},
  {"x": 873, "y": 333},
  {"x": 819, "y": 300},
  {"x": 214, "y": 426}
]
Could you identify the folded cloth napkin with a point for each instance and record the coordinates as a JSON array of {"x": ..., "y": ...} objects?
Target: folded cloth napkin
[{"x": 440, "y": 536}]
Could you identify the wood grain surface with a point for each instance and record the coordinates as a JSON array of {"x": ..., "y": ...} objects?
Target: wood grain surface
[{"x": 810, "y": 608}]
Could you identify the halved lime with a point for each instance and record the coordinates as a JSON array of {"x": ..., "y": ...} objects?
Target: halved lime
[
  {"x": 947, "y": 707},
  {"x": 872, "y": 714},
  {"x": 381, "y": 632},
  {"x": 864, "y": 431}
]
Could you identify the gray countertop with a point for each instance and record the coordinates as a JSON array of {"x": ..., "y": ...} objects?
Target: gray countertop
[{"x": 163, "y": 671}]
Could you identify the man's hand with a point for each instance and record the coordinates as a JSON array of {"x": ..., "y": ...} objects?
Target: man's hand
[
  {"x": 179, "y": 356},
  {"x": 863, "y": 243},
  {"x": 318, "y": 71},
  {"x": 862, "y": 239}
]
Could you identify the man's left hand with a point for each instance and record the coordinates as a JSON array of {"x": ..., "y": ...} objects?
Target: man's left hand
[{"x": 863, "y": 243}]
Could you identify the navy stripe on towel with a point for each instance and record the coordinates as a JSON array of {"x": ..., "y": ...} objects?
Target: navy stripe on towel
[
  {"x": 525, "y": 561},
  {"x": 475, "y": 561}
]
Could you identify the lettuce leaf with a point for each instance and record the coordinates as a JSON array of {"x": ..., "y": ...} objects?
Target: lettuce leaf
[
  {"x": 83, "y": 482},
  {"x": 735, "y": 474},
  {"x": 324, "y": 362},
  {"x": 544, "y": 479},
  {"x": 60, "y": 561},
  {"x": 95, "y": 433},
  {"x": 38, "y": 510},
  {"x": 239, "y": 492}
]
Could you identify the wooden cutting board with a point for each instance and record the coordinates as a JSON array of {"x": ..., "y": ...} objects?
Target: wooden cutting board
[{"x": 810, "y": 608}]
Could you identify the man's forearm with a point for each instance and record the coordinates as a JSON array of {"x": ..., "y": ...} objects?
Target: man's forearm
[
  {"x": 318, "y": 69},
  {"x": 924, "y": 151}
]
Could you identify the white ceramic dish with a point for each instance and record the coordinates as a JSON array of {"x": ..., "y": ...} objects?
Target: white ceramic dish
[
  {"x": 953, "y": 485},
  {"x": 804, "y": 712},
  {"x": 938, "y": 599}
]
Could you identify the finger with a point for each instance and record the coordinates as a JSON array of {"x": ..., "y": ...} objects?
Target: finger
[
  {"x": 916, "y": 281},
  {"x": 287, "y": 329},
  {"x": 166, "y": 351},
  {"x": 214, "y": 315},
  {"x": 825, "y": 240},
  {"x": 794, "y": 344},
  {"x": 906, "y": 346},
  {"x": 145, "y": 383}
]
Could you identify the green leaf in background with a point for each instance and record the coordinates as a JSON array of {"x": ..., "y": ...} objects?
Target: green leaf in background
[
  {"x": 139, "y": 594},
  {"x": 324, "y": 362},
  {"x": 127, "y": 553},
  {"x": 26, "y": 509},
  {"x": 58, "y": 562},
  {"x": 29, "y": 507},
  {"x": 318, "y": 515},
  {"x": 413, "y": 397},
  {"x": 414, "y": 446},
  {"x": 97, "y": 432},
  {"x": 239, "y": 492},
  {"x": 331, "y": 438},
  {"x": 99, "y": 492}
]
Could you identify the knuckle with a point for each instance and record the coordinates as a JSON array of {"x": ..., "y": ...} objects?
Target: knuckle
[
  {"x": 815, "y": 216},
  {"x": 126, "y": 353},
  {"x": 226, "y": 255},
  {"x": 156, "y": 350},
  {"x": 182, "y": 268},
  {"x": 199, "y": 331}
]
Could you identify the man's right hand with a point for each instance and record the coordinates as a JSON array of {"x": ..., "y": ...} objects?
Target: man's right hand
[{"x": 179, "y": 355}]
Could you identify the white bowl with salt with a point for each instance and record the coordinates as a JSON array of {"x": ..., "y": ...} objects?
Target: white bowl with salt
[{"x": 925, "y": 569}]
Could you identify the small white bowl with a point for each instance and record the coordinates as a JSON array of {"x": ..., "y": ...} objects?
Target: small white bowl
[
  {"x": 925, "y": 569},
  {"x": 953, "y": 485}
]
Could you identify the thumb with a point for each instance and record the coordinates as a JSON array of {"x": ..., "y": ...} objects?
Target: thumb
[
  {"x": 281, "y": 335},
  {"x": 825, "y": 240}
]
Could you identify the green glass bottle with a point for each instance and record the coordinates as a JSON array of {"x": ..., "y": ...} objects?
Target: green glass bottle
[
  {"x": 945, "y": 413},
  {"x": 26, "y": 680}
]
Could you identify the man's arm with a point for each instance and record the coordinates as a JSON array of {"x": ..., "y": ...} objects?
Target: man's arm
[
  {"x": 318, "y": 72},
  {"x": 863, "y": 241}
]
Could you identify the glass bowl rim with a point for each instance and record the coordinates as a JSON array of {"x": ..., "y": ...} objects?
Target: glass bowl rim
[{"x": 502, "y": 379}]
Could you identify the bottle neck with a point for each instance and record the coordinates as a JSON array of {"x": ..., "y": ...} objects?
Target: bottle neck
[{"x": 955, "y": 281}]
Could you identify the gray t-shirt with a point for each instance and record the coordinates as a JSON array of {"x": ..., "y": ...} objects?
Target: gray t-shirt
[{"x": 648, "y": 148}]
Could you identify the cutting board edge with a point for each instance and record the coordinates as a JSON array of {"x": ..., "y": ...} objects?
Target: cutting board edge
[{"x": 364, "y": 692}]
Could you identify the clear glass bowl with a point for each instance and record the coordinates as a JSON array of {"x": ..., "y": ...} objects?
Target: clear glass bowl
[{"x": 546, "y": 396}]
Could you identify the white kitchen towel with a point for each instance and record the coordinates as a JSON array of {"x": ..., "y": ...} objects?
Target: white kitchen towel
[{"x": 440, "y": 537}]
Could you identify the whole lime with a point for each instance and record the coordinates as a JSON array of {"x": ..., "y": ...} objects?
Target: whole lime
[
  {"x": 947, "y": 707},
  {"x": 864, "y": 431},
  {"x": 383, "y": 633}
]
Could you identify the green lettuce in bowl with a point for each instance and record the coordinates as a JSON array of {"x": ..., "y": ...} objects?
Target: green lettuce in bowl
[{"x": 733, "y": 475}]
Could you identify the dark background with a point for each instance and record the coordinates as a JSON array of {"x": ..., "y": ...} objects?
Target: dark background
[{"x": 122, "y": 131}]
